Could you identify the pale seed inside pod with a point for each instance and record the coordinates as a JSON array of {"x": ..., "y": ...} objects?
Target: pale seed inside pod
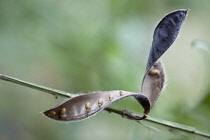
[
  {"x": 87, "y": 106},
  {"x": 121, "y": 93},
  {"x": 154, "y": 72},
  {"x": 100, "y": 102},
  {"x": 110, "y": 97},
  {"x": 158, "y": 87},
  {"x": 62, "y": 111},
  {"x": 51, "y": 113}
]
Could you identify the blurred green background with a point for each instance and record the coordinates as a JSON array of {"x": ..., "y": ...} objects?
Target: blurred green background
[{"x": 83, "y": 46}]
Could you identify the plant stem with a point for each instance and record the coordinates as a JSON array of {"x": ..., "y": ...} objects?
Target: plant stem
[
  {"x": 55, "y": 92},
  {"x": 169, "y": 124},
  {"x": 121, "y": 112}
]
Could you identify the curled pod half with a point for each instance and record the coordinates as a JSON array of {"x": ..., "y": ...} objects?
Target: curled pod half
[
  {"x": 84, "y": 106},
  {"x": 164, "y": 35},
  {"x": 153, "y": 84}
]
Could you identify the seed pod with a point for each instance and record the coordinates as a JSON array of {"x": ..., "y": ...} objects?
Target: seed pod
[
  {"x": 153, "y": 83},
  {"x": 84, "y": 106},
  {"x": 165, "y": 34}
]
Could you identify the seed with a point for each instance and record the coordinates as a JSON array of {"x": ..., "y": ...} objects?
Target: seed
[
  {"x": 158, "y": 87},
  {"x": 87, "y": 106},
  {"x": 121, "y": 93},
  {"x": 100, "y": 102},
  {"x": 62, "y": 111},
  {"x": 110, "y": 97},
  {"x": 51, "y": 113},
  {"x": 154, "y": 72}
]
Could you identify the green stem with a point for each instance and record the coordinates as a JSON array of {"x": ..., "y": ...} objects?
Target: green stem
[
  {"x": 169, "y": 124},
  {"x": 56, "y": 92}
]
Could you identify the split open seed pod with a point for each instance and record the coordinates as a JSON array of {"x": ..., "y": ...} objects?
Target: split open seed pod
[
  {"x": 164, "y": 35},
  {"x": 84, "y": 106}
]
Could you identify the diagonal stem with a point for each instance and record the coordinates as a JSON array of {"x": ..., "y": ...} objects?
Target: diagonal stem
[
  {"x": 52, "y": 91},
  {"x": 124, "y": 113},
  {"x": 161, "y": 122}
]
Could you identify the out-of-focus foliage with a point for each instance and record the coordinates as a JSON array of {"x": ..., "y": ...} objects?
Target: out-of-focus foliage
[
  {"x": 82, "y": 46},
  {"x": 201, "y": 45}
]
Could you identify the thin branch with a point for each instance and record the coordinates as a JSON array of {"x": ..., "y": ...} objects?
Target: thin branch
[
  {"x": 55, "y": 92},
  {"x": 124, "y": 113},
  {"x": 169, "y": 124}
]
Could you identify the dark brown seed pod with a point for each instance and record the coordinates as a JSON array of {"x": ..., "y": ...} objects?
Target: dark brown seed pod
[{"x": 165, "y": 34}]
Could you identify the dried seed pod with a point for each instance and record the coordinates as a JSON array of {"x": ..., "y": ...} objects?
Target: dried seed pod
[
  {"x": 165, "y": 34},
  {"x": 84, "y": 106},
  {"x": 153, "y": 83}
]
